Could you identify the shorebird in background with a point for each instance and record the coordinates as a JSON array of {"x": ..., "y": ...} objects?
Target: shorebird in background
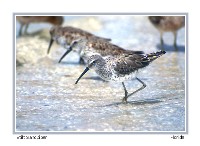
[
  {"x": 26, "y": 20},
  {"x": 120, "y": 68},
  {"x": 168, "y": 24},
  {"x": 88, "y": 47},
  {"x": 64, "y": 36}
]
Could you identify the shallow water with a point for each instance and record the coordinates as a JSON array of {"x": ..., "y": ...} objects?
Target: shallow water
[{"x": 48, "y": 100}]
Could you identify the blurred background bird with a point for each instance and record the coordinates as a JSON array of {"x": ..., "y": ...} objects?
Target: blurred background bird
[
  {"x": 26, "y": 20},
  {"x": 65, "y": 36},
  {"x": 168, "y": 24}
]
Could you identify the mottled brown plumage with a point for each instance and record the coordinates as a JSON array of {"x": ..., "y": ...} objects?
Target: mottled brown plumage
[
  {"x": 72, "y": 33},
  {"x": 26, "y": 20},
  {"x": 105, "y": 48},
  {"x": 66, "y": 35},
  {"x": 86, "y": 47},
  {"x": 168, "y": 24}
]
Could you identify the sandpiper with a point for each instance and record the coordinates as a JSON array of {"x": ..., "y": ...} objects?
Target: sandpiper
[
  {"x": 66, "y": 35},
  {"x": 120, "y": 68},
  {"x": 88, "y": 47},
  {"x": 168, "y": 24},
  {"x": 26, "y": 20}
]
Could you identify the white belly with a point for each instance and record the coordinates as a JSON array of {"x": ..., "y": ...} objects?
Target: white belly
[{"x": 111, "y": 76}]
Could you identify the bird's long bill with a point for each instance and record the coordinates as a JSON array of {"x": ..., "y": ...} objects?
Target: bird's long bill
[
  {"x": 86, "y": 69},
  {"x": 69, "y": 50},
  {"x": 50, "y": 44}
]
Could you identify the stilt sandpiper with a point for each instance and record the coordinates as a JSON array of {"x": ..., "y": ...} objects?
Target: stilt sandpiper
[{"x": 120, "y": 68}]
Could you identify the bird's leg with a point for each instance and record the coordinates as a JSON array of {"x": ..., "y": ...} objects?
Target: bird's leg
[
  {"x": 161, "y": 41},
  {"x": 175, "y": 38},
  {"x": 81, "y": 61},
  {"x": 126, "y": 94},
  {"x": 50, "y": 44},
  {"x": 143, "y": 86},
  {"x": 20, "y": 29},
  {"x": 26, "y": 28}
]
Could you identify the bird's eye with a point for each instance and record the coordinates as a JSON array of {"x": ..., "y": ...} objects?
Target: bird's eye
[
  {"x": 94, "y": 62},
  {"x": 75, "y": 42}
]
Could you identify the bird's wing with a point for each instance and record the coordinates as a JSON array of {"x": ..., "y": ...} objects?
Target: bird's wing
[{"x": 125, "y": 64}]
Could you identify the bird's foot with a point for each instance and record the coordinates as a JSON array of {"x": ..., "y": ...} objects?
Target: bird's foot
[
  {"x": 176, "y": 47},
  {"x": 124, "y": 100}
]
